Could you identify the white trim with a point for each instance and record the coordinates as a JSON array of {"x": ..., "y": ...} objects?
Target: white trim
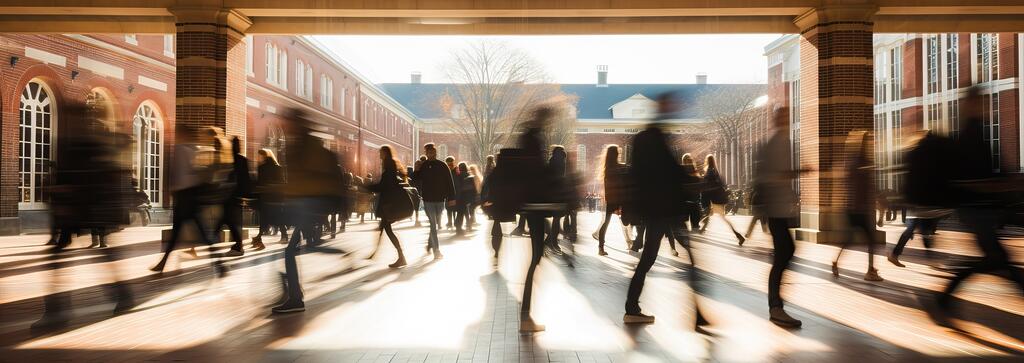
[
  {"x": 370, "y": 144},
  {"x": 321, "y": 112},
  {"x": 131, "y": 38},
  {"x": 271, "y": 109},
  {"x": 1020, "y": 100},
  {"x": 119, "y": 50},
  {"x": 46, "y": 57},
  {"x": 322, "y": 135},
  {"x": 249, "y": 101},
  {"x": 152, "y": 83},
  {"x": 101, "y": 68},
  {"x": 169, "y": 51}
]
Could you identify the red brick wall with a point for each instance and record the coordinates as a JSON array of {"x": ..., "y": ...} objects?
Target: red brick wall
[
  {"x": 912, "y": 58},
  {"x": 1009, "y": 130},
  {"x": 964, "y": 62},
  {"x": 1007, "y": 55}
]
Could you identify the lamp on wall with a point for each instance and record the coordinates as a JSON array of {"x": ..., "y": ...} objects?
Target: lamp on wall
[
  {"x": 14, "y": 60},
  {"x": 74, "y": 74},
  {"x": 131, "y": 88}
]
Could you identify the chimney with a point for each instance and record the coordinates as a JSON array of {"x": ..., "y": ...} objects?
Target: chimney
[
  {"x": 702, "y": 78},
  {"x": 415, "y": 78},
  {"x": 602, "y": 76}
]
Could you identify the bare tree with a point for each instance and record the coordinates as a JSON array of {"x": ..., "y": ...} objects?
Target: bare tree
[
  {"x": 730, "y": 111},
  {"x": 494, "y": 90}
]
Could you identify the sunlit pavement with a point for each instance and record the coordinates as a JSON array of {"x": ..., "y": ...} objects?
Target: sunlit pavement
[{"x": 463, "y": 309}]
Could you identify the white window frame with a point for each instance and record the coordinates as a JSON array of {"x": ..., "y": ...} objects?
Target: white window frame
[
  {"x": 149, "y": 172},
  {"x": 36, "y": 108},
  {"x": 250, "y": 52},
  {"x": 169, "y": 45},
  {"x": 131, "y": 38},
  {"x": 326, "y": 92}
]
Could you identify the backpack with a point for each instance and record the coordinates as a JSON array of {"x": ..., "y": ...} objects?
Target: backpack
[{"x": 398, "y": 203}]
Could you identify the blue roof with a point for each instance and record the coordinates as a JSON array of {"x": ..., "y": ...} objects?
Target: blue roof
[{"x": 593, "y": 102}]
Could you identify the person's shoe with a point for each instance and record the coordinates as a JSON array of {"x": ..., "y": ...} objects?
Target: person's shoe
[
  {"x": 781, "y": 318},
  {"x": 746, "y": 237},
  {"x": 438, "y": 256},
  {"x": 601, "y": 252},
  {"x": 596, "y": 237},
  {"x": 675, "y": 253},
  {"x": 158, "y": 268},
  {"x": 835, "y": 269},
  {"x": 740, "y": 238},
  {"x": 529, "y": 326},
  {"x": 872, "y": 275},
  {"x": 896, "y": 261},
  {"x": 637, "y": 318},
  {"x": 517, "y": 232},
  {"x": 192, "y": 252},
  {"x": 400, "y": 263},
  {"x": 289, "y": 306},
  {"x": 234, "y": 253},
  {"x": 258, "y": 246}
]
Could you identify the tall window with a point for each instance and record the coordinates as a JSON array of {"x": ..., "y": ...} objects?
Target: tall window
[
  {"x": 249, "y": 51},
  {"x": 952, "y": 60},
  {"x": 463, "y": 153},
  {"x": 303, "y": 79},
  {"x": 932, "y": 58},
  {"x": 880, "y": 75},
  {"x": 341, "y": 105},
  {"x": 442, "y": 151},
  {"x": 990, "y": 126},
  {"x": 988, "y": 57},
  {"x": 35, "y": 144},
  {"x": 148, "y": 149},
  {"x": 897, "y": 145},
  {"x": 326, "y": 92},
  {"x": 895, "y": 73},
  {"x": 169, "y": 45},
  {"x": 881, "y": 150},
  {"x": 933, "y": 117},
  {"x": 581, "y": 158},
  {"x": 277, "y": 66}
]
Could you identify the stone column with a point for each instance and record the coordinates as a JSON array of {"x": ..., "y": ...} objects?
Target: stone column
[
  {"x": 210, "y": 78},
  {"x": 836, "y": 97}
]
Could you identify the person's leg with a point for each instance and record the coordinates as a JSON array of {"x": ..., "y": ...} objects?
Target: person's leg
[
  {"x": 536, "y": 222},
  {"x": 496, "y": 237},
  {"x": 233, "y": 218},
  {"x": 385, "y": 225},
  {"x": 293, "y": 289},
  {"x": 784, "y": 250},
  {"x": 433, "y": 212},
  {"x": 926, "y": 227},
  {"x": 556, "y": 229},
  {"x": 602, "y": 231},
  {"x": 678, "y": 232},
  {"x": 184, "y": 203},
  {"x": 863, "y": 222},
  {"x": 460, "y": 217},
  {"x": 750, "y": 227},
  {"x": 652, "y": 243},
  {"x": 906, "y": 236}
]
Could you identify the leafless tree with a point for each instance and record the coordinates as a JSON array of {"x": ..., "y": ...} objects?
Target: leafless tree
[
  {"x": 730, "y": 111},
  {"x": 495, "y": 88}
]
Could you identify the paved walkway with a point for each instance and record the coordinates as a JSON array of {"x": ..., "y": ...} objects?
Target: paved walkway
[{"x": 463, "y": 309}]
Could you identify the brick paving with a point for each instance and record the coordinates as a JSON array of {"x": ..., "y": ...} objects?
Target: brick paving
[{"x": 463, "y": 309}]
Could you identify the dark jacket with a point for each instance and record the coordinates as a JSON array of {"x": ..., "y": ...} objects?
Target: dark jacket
[
  {"x": 614, "y": 186},
  {"x": 240, "y": 176},
  {"x": 388, "y": 183},
  {"x": 658, "y": 180},
  {"x": 434, "y": 181},
  {"x": 312, "y": 169},
  {"x": 269, "y": 182},
  {"x": 466, "y": 190},
  {"x": 714, "y": 187}
]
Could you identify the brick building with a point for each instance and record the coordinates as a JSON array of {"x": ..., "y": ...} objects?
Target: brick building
[
  {"x": 605, "y": 114},
  {"x": 133, "y": 79},
  {"x": 917, "y": 84}
]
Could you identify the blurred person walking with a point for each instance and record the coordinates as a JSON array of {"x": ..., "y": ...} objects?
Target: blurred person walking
[
  {"x": 269, "y": 197},
  {"x": 465, "y": 192},
  {"x": 658, "y": 187},
  {"x": 437, "y": 190},
  {"x": 478, "y": 182},
  {"x": 450, "y": 209},
  {"x": 860, "y": 173},
  {"x": 774, "y": 176},
  {"x": 717, "y": 197},
  {"x": 231, "y": 214},
  {"x": 981, "y": 194},
  {"x": 927, "y": 189},
  {"x": 311, "y": 190}
]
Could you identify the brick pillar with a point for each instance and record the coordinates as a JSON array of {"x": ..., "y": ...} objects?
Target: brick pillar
[
  {"x": 836, "y": 97},
  {"x": 210, "y": 78}
]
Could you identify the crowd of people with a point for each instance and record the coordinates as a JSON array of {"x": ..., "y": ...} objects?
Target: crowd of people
[{"x": 657, "y": 195}]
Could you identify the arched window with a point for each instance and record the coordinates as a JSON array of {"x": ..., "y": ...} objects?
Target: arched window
[
  {"x": 442, "y": 151},
  {"x": 35, "y": 144},
  {"x": 102, "y": 104},
  {"x": 148, "y": 150}
]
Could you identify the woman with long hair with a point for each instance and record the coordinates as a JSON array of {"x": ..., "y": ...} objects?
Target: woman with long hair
[
  {"x": 269, "y": 201},
  {"x": 716, "y": 196},
  {"x": 613, "y": 174},
  {"x": 466, "y": 195},
  {"x": 478, "y": 180},
  {"x": 391, "y": 178}
]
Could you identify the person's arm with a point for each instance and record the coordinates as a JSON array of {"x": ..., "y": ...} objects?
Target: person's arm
[{"x": 450, "y": 182}]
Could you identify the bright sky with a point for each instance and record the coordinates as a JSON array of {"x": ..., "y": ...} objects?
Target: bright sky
[{"x": 570, "y": 59}]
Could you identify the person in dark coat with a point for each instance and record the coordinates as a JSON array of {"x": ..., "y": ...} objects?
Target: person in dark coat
[
  {"x": 465, "y": 194},
  {"x": 269, "y": 201},
  {"x": 437, "y": 189},
  {"x": 450, "y": 208},
  {"x": 658, "y": 187},
  {"x": 717, "y": 196},
  {"x": 232, "y": 208},
  {"x": 390, "y": 179}
]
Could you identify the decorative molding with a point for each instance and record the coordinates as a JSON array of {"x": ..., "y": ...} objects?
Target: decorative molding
[
  {"x": 46, "y": 57},
  {"x": 101, "y": 68},
  {"x": 152, "y": 83}
]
